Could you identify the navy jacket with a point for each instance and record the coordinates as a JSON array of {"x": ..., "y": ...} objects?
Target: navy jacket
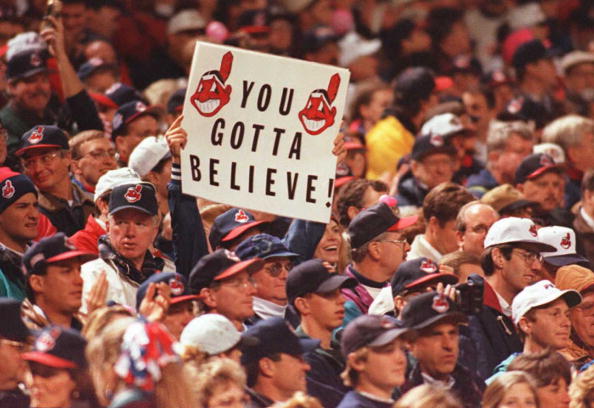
[
  {"x": 479, "y": 184},
  {"x": 303, "y": 237},
  {"x": 355, "y": 400},
  {"x": 410, "y": 192}
]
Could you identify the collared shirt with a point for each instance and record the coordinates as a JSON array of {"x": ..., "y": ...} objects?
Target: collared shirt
[
  {"x": 427, "y": 379},
  {"x": 589, "y": 220},
  {"x": 505, "y": 307},
  {"x": 420, "y": 247},
  {"x": 266, "y": 309}
]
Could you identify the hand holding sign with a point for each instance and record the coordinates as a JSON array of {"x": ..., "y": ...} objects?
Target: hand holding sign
[{"x": 176, "y": 138}]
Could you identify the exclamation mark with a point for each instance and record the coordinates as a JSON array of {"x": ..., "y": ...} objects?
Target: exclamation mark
[{"x": 330, "y": 191}]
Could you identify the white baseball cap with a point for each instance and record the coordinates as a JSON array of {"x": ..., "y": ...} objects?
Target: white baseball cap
[
  {"x": 114, "y": 178},
  {"x": 147, "y": 154},
  {"x": 552, "y": 149},
  {"x": 563, "y": 239},
  {"x": 212, "y": 333},
  {"x": 512, "y": 230},
  {"x": 353, "y": 46},
  {"x": 444, "y": 125},
  {"x": 540, "y": 294},
  {"x": 186, "y": 20}
]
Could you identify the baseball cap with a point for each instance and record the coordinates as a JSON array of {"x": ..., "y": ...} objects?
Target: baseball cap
[
  {"x": 313, "y": 277},
  {"x": 114, "y": 178},
  {"x": 122, "y": 94},
  {"x": 25, "y": 64},
  {"x": 12, "y": 327},
  {"x": 574, "y": 277},
  {"x": 514, "y": 230},
  {"x": 444, "y": 125},
  {"x": 274, "y": 336},
  {"x": 317, "y": 37},
  {"x": 430, "y": 308},
  {"x": 253, "y": 21},
  {"x": 496, "y": 78},
  {"x": 528, "y": 53},
  {"x": 52, "y": 249},
  {"x": 175, "y": 103},
  {"x": 13, "y": 186},
  {"x": 370, "y": 223},
  {"x": 540, "y": 294},
  {"x": 535, "y": 165},
  {"x": 94, "y": 65},
  {"x": 415, "y": 83},
  {"x": 506, "y": 199},
  {"x": 186, "y": 20},
  {"x": 213, "y": 334},
  {"x": 552, "y": 149},
  {"x": 231, "y": 224},
  {"x": 58, "y": 347},
  {"x": 263, "y": 246},
  {"x": 574, "y": 58},
  {"x": 417, "y": 274},
  {"x": 129, "y": 112},
  {"x": 147, "y": 154},
  {"x": 370, "y": 331},
  {"x": 43, "y": 136},
  {"x": 353, "y": 46},
  {"x": 563, "y": 239},
  {"x": 27, "y": 42},
  {"x": 427, "y": 145},
  {"x": 139, "y": 196},
  {"x": 176, "y": 282},
  {"x": 219, "y": 265}
]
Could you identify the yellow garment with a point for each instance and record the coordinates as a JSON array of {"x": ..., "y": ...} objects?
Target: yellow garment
[{"x": 386, "y": 143}]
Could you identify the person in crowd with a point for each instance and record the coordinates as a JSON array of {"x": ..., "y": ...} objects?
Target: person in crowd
[
  {"x": 512, "y": 388},
  {"x": 14, "y": 337},
  {"x": 440, "y": 211},
  {"x": 583, "y": 223},
  {"x": 551, "y": 374},
  {"x": 275, "y": 366},
  {"x": 373, "y": 348},
  {"x": 564, "y": 241},
  {"x": 316, "y": 240},
  {"x": 93, "y": 155},
  {"x": 462, "y": 264},
  {"x": 124, "y": 257},
  {"x": 57, "y": 368},
  {"x": 435, "y": 318},
  {"x": 225, "y": 285},
  {"x": 314, "y": 292},
  {"x": 54, "y": 284},
  {"x": 46, "y": 158},
  {"x": 132, "y": 122},
  {"x": 511, "y": 261},
  {"x": 357, "y": 196},
  {"x": 369, "y": 105},
  {"x": 221, "y": 383},
  {"x": 509, "y": 202},
  {"x": 428, "y": 395},
  {"x": 472, "y": 223},
  {"x": 232, "y": 227},
  {"x": 580, "y": 390}
]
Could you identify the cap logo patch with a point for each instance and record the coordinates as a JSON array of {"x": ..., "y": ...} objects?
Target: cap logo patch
[
  {"x": 436, "y": 140},
  {"x": 177, "y": 286},
  {"x": 117, "y": 120},
  {"x": 547, "y": 286},
  {"x": 231, "y": 255},
  {"x": 133, "y": 194},
  {"x": 140, "y": 107},
  {"x": 515, "y": 105},
  {"x": 8, "y": 190},
  {"x": 241, "y": 217},
  {"x": 533, "y": 230},
  {"x": 428, "y": 266},
  {"x": 386, "y": 324},
  {"x": 35, "y": 60},
  {"x": 546, "y": 160},
  {"x": 47, "y": 340},
  {"x": 566, "y": 241},
  {"x": 440, "y": 303},
  {"x": 36, "y": 135}
]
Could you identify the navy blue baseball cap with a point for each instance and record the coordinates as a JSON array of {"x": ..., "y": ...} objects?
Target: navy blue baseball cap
[
  {"x": 313, "y": 277},
  {"x": 12, "y": 327},
  {"x": 231, "y": 224},
  {"x": 25, "y": 64},
  {"x": 417, "y": 274},
  {"x": 370, "y": 223},
  {"x": 43, "y": 136},
  {"x": 536, "y": 165},
  {"x": 263, "y": 246},
  {"x": 175, "y": 104},
  {"x": 415, "y": 83},
  {"x": 431, "y": 144},
  {"x": 529, "y": 52},
  {"x": 121, "y": 94},
  {"x": 139, "y": 196},
  {"x": 129, "y": 112},
  {"x": 58, "y": 347},
  {"x": 274, "y": 336},
  {"x": 430, "y": 308},
  {"x": 219, "y": 265},
  {"x": 13, "y": 186},
  {"x": 94, "y": 65},
  {"x": 176, "y": 282},
  {"x": 370, "y": 331},
  {"x": 50, "y": 250}
]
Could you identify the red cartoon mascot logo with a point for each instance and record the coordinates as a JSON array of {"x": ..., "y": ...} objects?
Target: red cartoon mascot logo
[
  {"x": 440, "y": 303},
  {"x": 318, "y": 114},
  {"x": 241, "y": 216},
  {"x": 8, "y": 190},
  {"x": 177, "y": 287},
  {"x": 428, "y": 266},
  {"x": 36, "y": 135},
  {"x": 212, "y": 94},
  {"x": 133, "y": 194},
  {"x": 566, "y": 241},
  {"x": 533, "y": 231},
  {"x": 47, "y": 340}
]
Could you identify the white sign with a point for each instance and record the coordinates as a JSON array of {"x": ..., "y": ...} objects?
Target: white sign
[{"x": 261, "y": 130}]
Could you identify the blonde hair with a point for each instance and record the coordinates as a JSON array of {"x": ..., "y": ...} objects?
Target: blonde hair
[
  {"x": 581, "y": 387},
  {"x": 428, "y": 396},
  {"x": 103, "y": 350},
  {"x": 350, "y": 376},
  {"x": 221, "y": 371},
  {"x": 495, "y": 392},
  {"x": 300, "y": 400},
  {"x": 101, "y": 317}
]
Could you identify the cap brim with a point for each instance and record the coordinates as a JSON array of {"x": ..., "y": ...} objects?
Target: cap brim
[
  {"x": 248, "y": 341},
  {"x": 135, "y": 207},
  {"x": 251, "y": 265},
  {"x": 240, "y": 230},
  {"x": 455, "y": 317},
  {"x": 29, "y": 74},
  {"x": 389, "y": 336},
  {"x": 341, "y": 181},
  {"x": 336, "y": 281},
  {"x": 562, "y": 260},
  {"x": 403, "y": 223},
  {"x": 283, "y": 254},
  {"x": 48, "y": 360},
  {"x": 103, "y": 100},
  {"x": 445, "y": 278},
  {"x": 353, "y": 146},
  {"x": 255, "y": 29},
  {"x": 516, "y": 205},
  {"x": 86, "y": 256},
  {"x": 183, "y": 298},
  {"x": 543, "y": 170},
  {"x": 22, "y": 150}
]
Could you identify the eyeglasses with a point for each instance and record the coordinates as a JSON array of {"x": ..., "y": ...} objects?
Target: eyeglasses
[
  {"x": 276, "y": 269},
  {"x": 529, "y": 257},
  {"x": 101, "y": 154},
  {"x": 44, "y": 159},
  {"x": 399, "y": 242}
]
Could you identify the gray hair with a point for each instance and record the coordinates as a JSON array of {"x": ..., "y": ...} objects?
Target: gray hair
[
  {"x": 567, "y": 131},
  {"x": 500, "y": 131}
]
